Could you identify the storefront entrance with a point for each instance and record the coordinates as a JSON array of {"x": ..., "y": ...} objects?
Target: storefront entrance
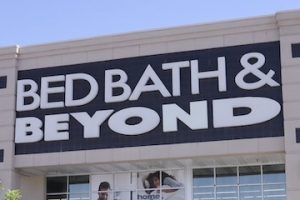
[{"x": 219, "y": 182}]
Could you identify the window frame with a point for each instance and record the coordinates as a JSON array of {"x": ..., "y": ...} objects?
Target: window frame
[
  {"x": 261, "y": 184},
  {"x": 68, "y": 193}
]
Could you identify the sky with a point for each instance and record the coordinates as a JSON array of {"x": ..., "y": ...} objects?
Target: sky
[{"x": 32, "y": 22}]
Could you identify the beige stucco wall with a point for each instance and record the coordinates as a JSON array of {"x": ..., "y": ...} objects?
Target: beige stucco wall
[
  {"x": 283, "y": 27},
  {"x": 32, "y": 187},
  {"x": 8, "y": 62},
  {"x": 289, "y": 29}
]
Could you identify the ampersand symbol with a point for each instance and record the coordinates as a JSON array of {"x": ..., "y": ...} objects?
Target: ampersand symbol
[{"x": 254, "y": 69}]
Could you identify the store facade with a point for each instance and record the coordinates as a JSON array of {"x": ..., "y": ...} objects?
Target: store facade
[{"x": 196, "y": 112}]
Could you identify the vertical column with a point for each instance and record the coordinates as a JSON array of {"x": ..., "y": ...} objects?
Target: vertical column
[
  {"x": 289, "y": 29},
  {"x": 188, "y": 180},
  {"x": 8, "y": 76}
]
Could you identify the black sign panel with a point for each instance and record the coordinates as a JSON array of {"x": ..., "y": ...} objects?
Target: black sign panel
[{"x": 236, "y": 76}]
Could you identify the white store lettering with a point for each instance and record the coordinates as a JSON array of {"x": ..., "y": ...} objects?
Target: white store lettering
[{"x": 56, "y": 126}]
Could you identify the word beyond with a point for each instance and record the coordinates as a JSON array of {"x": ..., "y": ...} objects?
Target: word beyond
[{"x": 56, "y": 126}]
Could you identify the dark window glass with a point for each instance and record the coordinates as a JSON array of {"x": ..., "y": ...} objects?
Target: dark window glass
[
  {"x": 203, "y": 177},
  {"x": 1, "y": 155},
  {"x": 296, "y": 50},
  {"x": 298, "y": 135},
  {"x": 273, "y": 174},
  {"x": 226, "y": 176},
  {"x": 250, "y": 175},
  {"x": 3, "y": 81},
  {"x": 57, "y": 184}
]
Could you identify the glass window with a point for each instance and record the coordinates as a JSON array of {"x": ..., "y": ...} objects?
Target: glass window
[
  {"x": 204, "y": 193},
  {"x": 226, "y": 176},
  {"x": 79, "y": 187},
  {"x": 250, "y": 175},
  {"x": 274, "y": 174},
  {"x": 77, "y": 196},
  {"x": 265, "y": 182},
  {"x": 57, "y": 184},
  {"x": 274, "y": 192},
  {"x": 71, "y": 188},
  {"x": 203, "y": 177},
  {"x": 227, "y": 192},
  {"x": 250, "y": 192},
  {"x": 122, "y": 195},
  {"x": 78, "y": 184}
]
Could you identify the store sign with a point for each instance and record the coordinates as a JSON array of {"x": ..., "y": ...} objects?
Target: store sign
[{"x": 196, "y": 96}]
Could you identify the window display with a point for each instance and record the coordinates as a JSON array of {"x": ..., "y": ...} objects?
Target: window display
[
  {"x": 257, "y": 182},
  {"x": 154, "y": 185}
]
